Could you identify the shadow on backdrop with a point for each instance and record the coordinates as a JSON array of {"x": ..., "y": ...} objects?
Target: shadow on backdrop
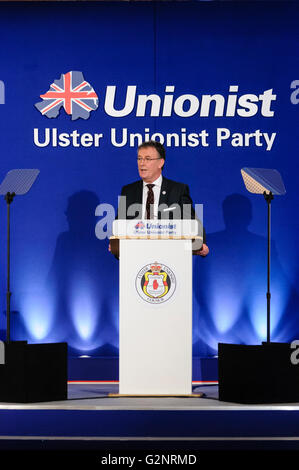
[
  {"x": 230, "y": 286},
  {"x": 83, "y": 282}
]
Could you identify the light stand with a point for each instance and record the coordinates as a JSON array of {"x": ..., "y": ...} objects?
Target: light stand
[
  {"x": 8, "y": 198},
  {"x": 28, "y": 372},
  {"x": 268, "y": 198},
  {"x": 259, "y": 373},
  {"x": 266, "y": 182},
  {"x": 16, "y": 182}
]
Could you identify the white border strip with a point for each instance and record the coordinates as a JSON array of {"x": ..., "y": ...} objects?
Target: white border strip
[
  {"x": 116, "y": 382},
  {"x": 140, "y": 406}
]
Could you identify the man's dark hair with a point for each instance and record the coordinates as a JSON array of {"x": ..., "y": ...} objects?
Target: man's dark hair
[{"x": 157, "y": 145}]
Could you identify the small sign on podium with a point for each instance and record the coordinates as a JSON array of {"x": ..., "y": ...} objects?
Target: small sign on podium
[{"x": 149, "y": 228}]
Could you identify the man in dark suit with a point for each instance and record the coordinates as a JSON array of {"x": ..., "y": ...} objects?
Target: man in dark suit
[{"x": 154, "y": 196}]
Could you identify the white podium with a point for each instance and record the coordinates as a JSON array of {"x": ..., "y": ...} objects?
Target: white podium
[{"x": 155, "y": 306}]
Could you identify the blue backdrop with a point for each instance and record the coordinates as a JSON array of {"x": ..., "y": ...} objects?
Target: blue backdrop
[{"x": 64, "y": 281}]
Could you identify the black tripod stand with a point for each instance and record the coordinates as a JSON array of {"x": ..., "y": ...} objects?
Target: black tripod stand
[
  {"x": 268, "y": 198},
  {"x": 267, "y": 182},
  {"x": 16, "y": 182},
  {"x": 259, "y": 373},
  {"x": 8, "y": 198}
]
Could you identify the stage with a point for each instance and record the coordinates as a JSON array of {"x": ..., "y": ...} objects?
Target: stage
[{"x": 91, "y": 420}]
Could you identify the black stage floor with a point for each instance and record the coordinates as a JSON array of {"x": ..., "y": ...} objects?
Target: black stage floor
[{"x": 92, "y": 420}]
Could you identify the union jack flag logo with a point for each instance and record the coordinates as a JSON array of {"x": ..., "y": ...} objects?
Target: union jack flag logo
[
  {"x": 73, "y": 93},
  {"x": 139, "y": 225}
]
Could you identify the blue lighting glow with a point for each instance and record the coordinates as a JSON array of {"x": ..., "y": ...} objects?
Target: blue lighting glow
[
  {"x": 84, "y": 312},
  {"x": 225, "y": 306},
  {"x": 38, "y": 314}
]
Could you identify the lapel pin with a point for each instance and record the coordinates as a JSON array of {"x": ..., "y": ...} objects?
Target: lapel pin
[{"x": 163, "y": 192}]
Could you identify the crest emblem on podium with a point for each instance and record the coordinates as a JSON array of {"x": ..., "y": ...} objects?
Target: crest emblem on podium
[{"x": 155, "y": 283}]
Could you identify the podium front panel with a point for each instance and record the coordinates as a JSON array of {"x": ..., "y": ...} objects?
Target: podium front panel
[{"x": 155, "y": 338}]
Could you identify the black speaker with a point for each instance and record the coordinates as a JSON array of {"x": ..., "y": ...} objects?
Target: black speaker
[
  {"x": 33, "y": 372},
  {"x": 257, "y": 374}
]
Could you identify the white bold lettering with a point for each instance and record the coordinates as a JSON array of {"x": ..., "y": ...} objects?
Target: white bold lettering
[
  {"x": 266, "y": 98},
  {"x": 269, "y": 140},
  {"x": 129, "y": 103},
  {"x": 64, "y": 140},
  {"x": 232, "y": 102},
  {"x": 247, "y": 102},
  {"x": 143, "y": 100},
  {"x": 124, "y": 140},
  {"x": 46, "y": 141},
  {"x": 205, "y": 105},
  {"x": 168, "y": 101},
  {"x": 222, "y": 134},
  {"x": 86, "y": 140},
  {"x": 193, "y": 105}
]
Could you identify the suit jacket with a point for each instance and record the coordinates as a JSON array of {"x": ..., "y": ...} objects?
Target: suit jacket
[{"x": 173, "y": 195}]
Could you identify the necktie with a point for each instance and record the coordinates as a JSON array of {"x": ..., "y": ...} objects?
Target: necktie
[{"x": 150, "y": 202}]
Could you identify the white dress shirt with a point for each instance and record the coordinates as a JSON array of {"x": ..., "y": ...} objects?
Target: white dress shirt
[{"x": 156, "y": 190}]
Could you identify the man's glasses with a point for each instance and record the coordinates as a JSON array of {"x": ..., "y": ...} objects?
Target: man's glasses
[{"x": 146, "y": 159}]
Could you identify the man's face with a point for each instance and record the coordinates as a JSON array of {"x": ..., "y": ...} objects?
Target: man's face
[{"x": 150, "y": 167}]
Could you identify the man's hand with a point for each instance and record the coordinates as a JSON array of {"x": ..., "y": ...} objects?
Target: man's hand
[{"x": 204, "y": 251}]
